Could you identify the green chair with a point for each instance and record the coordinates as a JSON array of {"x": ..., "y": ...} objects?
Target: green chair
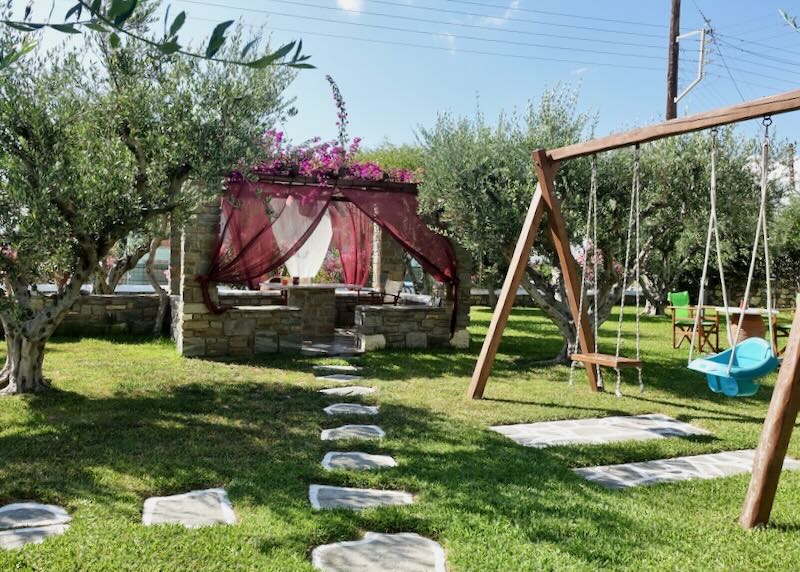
[{"x": 683, "y": 319}]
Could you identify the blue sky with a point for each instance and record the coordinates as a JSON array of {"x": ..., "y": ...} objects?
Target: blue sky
[{"x": 400, "y": 62}]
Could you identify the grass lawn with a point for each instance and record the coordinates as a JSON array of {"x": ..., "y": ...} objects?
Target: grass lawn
[{"x": 129, "y": 419}]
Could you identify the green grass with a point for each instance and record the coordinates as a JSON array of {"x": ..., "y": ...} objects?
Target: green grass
[{"x": 129, "y": 419}]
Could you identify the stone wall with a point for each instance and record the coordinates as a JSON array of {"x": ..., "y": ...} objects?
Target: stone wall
[
  {"x": 95, "y": 315},
  {"x": 250, "y": 298},
  {"x": 243, "y": 330},
  {"x": 782, "y": 296},
  {"x": 403, "y": 326}
]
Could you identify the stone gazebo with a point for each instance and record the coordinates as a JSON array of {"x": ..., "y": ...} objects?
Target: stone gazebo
[{"x": 255, "y": 321}]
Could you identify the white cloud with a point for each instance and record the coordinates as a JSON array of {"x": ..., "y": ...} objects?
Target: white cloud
[
  {"x": 450, "y": 39},
  {"x": 351, "y": 5},
  {"x": 507, "y": 13}
]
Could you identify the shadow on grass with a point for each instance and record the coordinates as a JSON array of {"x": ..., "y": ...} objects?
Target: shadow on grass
[{"x": 261, "y": 442}]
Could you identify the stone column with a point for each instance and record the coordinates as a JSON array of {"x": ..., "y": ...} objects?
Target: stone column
[
  {"x": 392, "y": 261},
  {"x": 199, "y": 331},
  {"x": 174, "y": 258},
  {"x": 461, "y": 338}
]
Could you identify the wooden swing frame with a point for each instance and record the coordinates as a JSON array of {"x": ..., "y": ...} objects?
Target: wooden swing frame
[{"x": 785, "y": 402}]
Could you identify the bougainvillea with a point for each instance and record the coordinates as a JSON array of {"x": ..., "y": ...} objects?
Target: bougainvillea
[{"x": 325, "y": 160}]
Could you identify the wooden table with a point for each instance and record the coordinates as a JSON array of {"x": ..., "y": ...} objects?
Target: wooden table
[{"x": 751, "y": 323}]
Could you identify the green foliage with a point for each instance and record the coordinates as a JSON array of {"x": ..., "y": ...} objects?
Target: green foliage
[
  {"x": 786, "y": 238},
  {"x": 119, "y": 17},
  {"x": 390, "y": 157}
]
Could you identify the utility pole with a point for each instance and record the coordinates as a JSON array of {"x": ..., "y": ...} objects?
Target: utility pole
[{"x": 674, "y": 52}]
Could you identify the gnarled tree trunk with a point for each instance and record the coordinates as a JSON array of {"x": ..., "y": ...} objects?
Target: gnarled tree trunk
[{"x": 22, "y": 372}]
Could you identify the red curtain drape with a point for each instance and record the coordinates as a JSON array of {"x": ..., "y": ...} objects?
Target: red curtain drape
[
  {"x": 352, "y": 237},
  {"x": 262, "y": 226}
]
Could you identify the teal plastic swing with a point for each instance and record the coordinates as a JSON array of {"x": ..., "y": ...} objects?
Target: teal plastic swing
[
  {"x": 753, "y": 360},
  {"x": 736, "y": 371}
]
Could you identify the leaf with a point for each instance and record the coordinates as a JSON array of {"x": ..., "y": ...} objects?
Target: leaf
[
  {"x": 76, "y": 9},
  {"x": 22, "y": 27},
  {"x": 65, "y": 28},
  {"x": 177, "y": 23},
  {"x": 96, "y": 26},
  {"x": 169, "y": 47},
  {"x": 301, "y": 66},
  {"x": 248, "y": 47},
  {"x": 166, "y": 19},
  {"x": 95, "y": 7},
  {"x": 113, "y": 39},
  {"x": 269, "y": 59},
  {"x": 124, "y": 12},
  {"x": 217, "y": 38},
  {"x": 297, "y": 51}
]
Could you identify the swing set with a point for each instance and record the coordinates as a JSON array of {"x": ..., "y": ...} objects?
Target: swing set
[{"x": 785, "y": 402}]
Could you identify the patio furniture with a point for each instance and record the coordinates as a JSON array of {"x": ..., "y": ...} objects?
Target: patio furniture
[
  {"x": 781, "y": 328},
  {"x": 684, "y": 316},
  {"x": 746, "y": 324}
]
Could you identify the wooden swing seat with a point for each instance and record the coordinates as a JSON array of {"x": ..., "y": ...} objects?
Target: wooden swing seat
[{"x": 606, "y": 360}]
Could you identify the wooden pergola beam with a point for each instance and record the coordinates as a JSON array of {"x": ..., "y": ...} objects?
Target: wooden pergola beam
[{"x": 772, "y": 105}]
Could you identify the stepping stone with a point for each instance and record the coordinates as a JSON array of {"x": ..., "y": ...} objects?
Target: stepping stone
[
  {"x": 340, "y": 377},
  {"x": 597, "y": 431},
  {"x": 349, "y": 391},
  {"x": 17, "y": 537},
  {"x": 403, "y": 552},
  {"x": 709, "y": 466},
  {"x": 338, "y": 368},
  {"x": 351, "y": 409},
  {"x": 192, "y": 510},
  {"x": 355, "y": 461},
  {"x": 325, "y": 497},
  {"x": 31, "y": 514},
  {"x": 353, "y": 432}
]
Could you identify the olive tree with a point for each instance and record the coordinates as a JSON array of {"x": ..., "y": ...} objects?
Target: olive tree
[
  {"x": 96, "y": 148},
  {"x": 479, "y": 178}
]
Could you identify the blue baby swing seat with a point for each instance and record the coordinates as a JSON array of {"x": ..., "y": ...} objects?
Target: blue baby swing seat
[{"x": 753, "y": 359}]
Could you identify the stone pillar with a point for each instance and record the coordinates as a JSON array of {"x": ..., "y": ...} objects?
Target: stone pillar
[
  {"x": 199, "y": 332},
  {"x": 461, "y": 338},
  {"x": 392, "y": 261},
  {"x": 174, "y": 258}
]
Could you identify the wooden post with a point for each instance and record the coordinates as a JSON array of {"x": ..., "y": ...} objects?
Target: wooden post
[
  {"x": 775, "y": 436},
  {"x": 569, "y": 268},
  {"x": 509, "y": 292},
  {"x": 674, "y": 60}
]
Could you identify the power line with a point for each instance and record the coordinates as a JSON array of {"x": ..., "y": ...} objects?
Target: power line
[
  {"x": 424, "y": 20},
  {"x": 563, "y": 14},
  {"x": 446, "y": 49},
  {"x": 758, "y": 54},
  {"x": 428, "y": 33}
]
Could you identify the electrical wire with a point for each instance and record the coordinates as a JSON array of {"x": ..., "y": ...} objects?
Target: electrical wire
[{"x": 437, "y": 34}]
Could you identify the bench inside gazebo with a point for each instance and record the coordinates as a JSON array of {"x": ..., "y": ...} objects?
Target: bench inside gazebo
[{"x": 248, "y": 265}]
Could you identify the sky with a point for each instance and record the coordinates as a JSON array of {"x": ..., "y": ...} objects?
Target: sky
[{"x": 399, "y": 63}]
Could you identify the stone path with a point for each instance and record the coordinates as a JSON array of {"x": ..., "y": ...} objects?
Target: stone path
[
  {"x": 329, "y": 497},
  {"x": 597, "y": 431},
  {"x": 356, "y": 461},
  {"x": 351, "y": 409},
  {"x": 340, "y": 377},
  {"x": 349, "y": 391},
  {"x": 338, "y": 368},
  {"x": 30, "y": 523},
  {"x": 709, "y": 466},
  {"x": 193, "y": 509},
  {"x": 403, "y": 552},
  {"x": 352, "y": 432}
]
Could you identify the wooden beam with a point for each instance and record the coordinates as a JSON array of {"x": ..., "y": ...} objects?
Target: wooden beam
[
  {"x": 509, "y": 292},
  {"x": 569, "y": 268},
  {"x": 775, "y": 436},
  {"x": 773, "y": 105}
]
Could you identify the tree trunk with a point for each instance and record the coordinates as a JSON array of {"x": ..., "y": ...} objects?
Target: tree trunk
[
  {"x": 163, "y": 297},
  {"x": 22, "y": 372}
]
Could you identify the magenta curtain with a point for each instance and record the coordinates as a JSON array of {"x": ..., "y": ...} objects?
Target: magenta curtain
[
  {"x": 352, "y": 237},
  {"x": 262, "y": 226}
]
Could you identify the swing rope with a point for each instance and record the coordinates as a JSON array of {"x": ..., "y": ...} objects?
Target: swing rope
[
  {"x": 713, "y": 231},
  {"x": 591, "y": 230},
  {"x": 633, "y": 229},
  {"x": 761, "y": 233}
]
